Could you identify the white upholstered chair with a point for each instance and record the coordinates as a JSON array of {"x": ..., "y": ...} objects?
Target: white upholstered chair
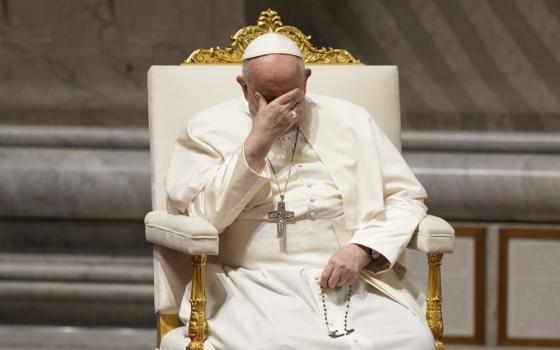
[{"x": 181, "y": 243}]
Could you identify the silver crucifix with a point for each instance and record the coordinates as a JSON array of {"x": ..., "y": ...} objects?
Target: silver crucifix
[{"x": 281, "y": 215}]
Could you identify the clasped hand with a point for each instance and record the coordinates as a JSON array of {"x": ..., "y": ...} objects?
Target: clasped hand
[{"x": 344, "y": 266}]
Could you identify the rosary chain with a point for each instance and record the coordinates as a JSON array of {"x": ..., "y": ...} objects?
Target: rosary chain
[
  {"x": 335, "y": 334},
  {"x": 289, "y": 169}
]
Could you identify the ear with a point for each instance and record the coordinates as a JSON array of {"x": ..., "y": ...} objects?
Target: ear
[
  {"x": 307, "y": 74},
  {"x": 241, "y": 81}
]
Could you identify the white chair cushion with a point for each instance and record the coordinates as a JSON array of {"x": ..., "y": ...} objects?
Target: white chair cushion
[
  {"x": 434, "y": 235},
  {"x": 189, "y": 235}
]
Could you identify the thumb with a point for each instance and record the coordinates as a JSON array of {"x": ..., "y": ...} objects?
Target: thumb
[{"x": 261, "y": 101}]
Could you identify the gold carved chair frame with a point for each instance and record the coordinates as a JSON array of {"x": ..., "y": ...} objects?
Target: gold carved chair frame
[{"x": 270, "y": 21}]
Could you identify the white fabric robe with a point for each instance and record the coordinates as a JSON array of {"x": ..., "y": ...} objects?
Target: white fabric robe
[{"x": 382, "y": 199}]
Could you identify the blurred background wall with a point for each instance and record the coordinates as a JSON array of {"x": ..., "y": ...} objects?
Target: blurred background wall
[{"x": 480, "y": 88}]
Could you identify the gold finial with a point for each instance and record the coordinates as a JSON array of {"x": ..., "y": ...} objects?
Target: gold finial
[{"x": 270, "y": 21}]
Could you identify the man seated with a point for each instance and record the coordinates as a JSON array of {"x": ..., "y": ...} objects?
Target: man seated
[{"x": 314, "y": 207}]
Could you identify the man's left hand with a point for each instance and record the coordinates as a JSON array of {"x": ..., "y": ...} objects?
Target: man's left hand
[{"x": 344, "y": 266}]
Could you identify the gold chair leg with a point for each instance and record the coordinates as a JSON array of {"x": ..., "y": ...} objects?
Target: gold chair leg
[
  {"x": 198, "y": 326},
  {"x": 434, "y": 299}
]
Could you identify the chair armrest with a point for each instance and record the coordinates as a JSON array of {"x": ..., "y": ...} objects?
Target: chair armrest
[
  {"x": 433, "y": 235},
  {"x": 193, "y": 236}
]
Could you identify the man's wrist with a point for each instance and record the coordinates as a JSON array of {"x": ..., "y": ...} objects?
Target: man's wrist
[
  {"x": 373, "y": 254},
  {"x": 256, "y": 149},
  {"x": 366, "y": 254},
  {"x": 364, "y": 248},
  {"x": 257, "y": 145}
]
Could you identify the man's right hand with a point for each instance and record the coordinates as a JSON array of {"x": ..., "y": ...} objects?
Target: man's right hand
[{"x": 271, "y": 121}]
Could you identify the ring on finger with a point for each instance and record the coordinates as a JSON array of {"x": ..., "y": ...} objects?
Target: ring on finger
[{"x": 293, "y": 114}]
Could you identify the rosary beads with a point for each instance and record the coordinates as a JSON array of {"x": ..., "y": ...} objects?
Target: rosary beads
[{"x": 334, "y": 333}]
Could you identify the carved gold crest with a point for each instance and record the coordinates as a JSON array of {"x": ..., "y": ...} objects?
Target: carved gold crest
[{"x": 270, "y": 21}]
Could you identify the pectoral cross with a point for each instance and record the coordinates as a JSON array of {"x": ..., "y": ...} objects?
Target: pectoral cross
[{"x": 281, "y": 215}]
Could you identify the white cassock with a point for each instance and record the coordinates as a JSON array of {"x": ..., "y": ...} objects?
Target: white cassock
[{"x": 348, "y": 184}]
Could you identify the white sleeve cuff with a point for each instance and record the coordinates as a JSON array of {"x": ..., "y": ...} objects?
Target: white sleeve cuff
[{"x": 264, "y": 172}]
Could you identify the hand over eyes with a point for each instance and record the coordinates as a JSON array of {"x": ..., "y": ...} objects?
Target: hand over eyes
[
  {"x": 271, "y": 121},
  {"x": 274, "y": 119}
]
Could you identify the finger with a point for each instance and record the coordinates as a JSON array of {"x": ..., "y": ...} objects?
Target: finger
[
  {"x": 294, "y": 103},
  {"x": 289, "y": 96},
  {"x": 325, "y": 275},
  {"x": 335, "y": 277},
  {"x": 350, "y": 278},
  {"x": 261, "y": 100},
  {"x": 293, "y": 116},
  {"x": 299, "y": 107},
  {"x": 288, "y": 111},
  {"x": 344, "y": 280}
]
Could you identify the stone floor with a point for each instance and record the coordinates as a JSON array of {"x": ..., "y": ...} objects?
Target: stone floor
[{"x": 70, "y": 338}]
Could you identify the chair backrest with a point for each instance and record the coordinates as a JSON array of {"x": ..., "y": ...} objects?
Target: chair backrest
[{"x": 177, "y": 92}]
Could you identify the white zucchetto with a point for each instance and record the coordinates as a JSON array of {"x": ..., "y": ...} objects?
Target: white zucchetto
[{"x": 271, "y": 43}]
